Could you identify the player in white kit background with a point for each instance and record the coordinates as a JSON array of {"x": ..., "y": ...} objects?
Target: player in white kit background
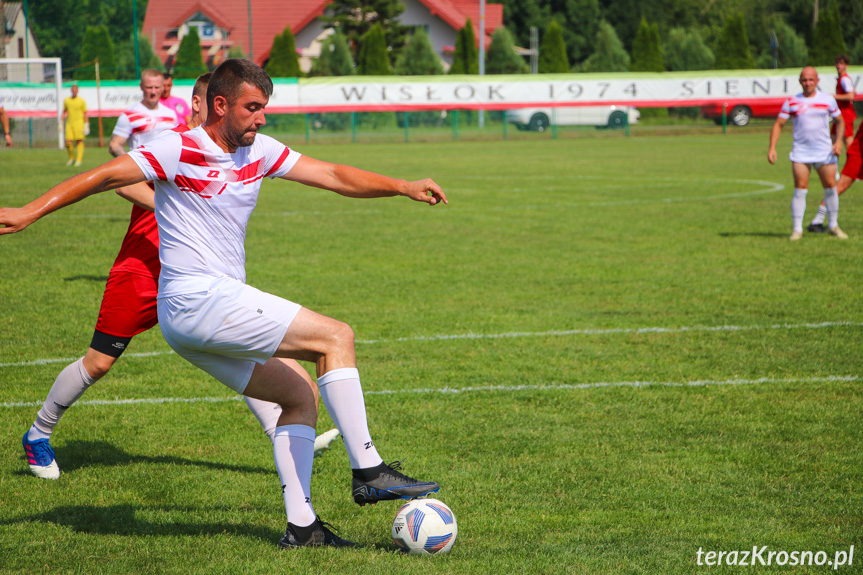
[
  {"x": 207, "y": 183},
  {"x": 812, "y": 148}
]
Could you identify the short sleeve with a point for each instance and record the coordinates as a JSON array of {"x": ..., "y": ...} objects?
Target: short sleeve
[
  {"x": 123, "y": 127},
  {"x": 847, "y": 84},
  {"x": 278, "y": 158},
  {"x": 785, "y": 111},
  {"x": 834, "y": 108},
  {"x": 160, "y": 157}
]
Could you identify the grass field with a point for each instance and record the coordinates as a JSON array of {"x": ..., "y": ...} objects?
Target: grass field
[{"x": 605, "y": 350}]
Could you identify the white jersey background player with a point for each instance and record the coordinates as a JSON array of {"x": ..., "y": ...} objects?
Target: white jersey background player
[
  {"x": 811, "y": 112},
  {"x": 146, "y": 119},
  {"x": 207, "y": 183}
]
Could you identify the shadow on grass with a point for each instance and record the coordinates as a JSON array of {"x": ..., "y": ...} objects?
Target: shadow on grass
[
  {"x": 101, "y": 279},
  {"x": 82, "y": 454},
  {"x": 752, "y": 235},
  {"x": 127, "y": 520}
]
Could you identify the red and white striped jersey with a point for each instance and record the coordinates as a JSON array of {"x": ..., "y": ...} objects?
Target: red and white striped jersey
[
  {"x": 204, "y": 198},
  {"x": 139, "y": 124},
  {"x": 811, "y": 120}
]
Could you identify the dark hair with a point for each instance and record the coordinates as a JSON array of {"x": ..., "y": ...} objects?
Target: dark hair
[
  {"x": 167, "y": 75},
  {"x": 842, "y": 58},
  {"x": 228, "y": 79},
  {"x": 201, "y": 84}
]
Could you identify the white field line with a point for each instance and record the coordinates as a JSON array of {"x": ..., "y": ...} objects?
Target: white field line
[
  {"x": 484, "y": 388},
  {"x": 520, "y": 334}
]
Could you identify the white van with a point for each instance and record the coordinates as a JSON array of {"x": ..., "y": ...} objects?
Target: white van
[{"x": 539, "y": 119}]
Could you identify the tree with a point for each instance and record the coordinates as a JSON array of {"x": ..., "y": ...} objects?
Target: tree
[
  {"x": 791, "y": 48},
  {"x": 502, "y": 57},
  {"x": 97, "y": 44},
  {"x": 236, "y": 52},
  {"x": 189, "y": 63},
  {"x": 552, "y": 52},
  {"x": 685, "y": 50},
  {"x": 732, "y": 49},
  {"x": 827, "y": 40},
  {"x": 646, "y": 49},
  {"x": 418, "y": 57},
  {"x": 147, "y": 58},
  {"x": 609, "y": 55},
  {"x": 335, "y": 58},
  {"x": 283, "y": 61},
  {"x": 578, "y": 18},
  {"x": 466, "y": 58},
  {"x": 373, "y": 59},
  {"x": 354, "y": 18}
]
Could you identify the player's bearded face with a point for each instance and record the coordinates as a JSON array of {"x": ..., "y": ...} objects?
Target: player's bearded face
[{"x": 246, "y": 116}]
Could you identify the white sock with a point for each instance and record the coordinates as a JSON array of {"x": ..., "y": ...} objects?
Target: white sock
[
  {"x": 342, "y": 395},
  {"x": 267, "y": 413},
  {"x": 831, "y": 202},
  {"x": 798, "y": 208},
  {"x": 294, "y": 451},
  {"x": 69, "y": 386},
  {"x": 820, "y": 216}
]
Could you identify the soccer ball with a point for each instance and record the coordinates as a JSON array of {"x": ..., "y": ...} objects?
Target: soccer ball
[{"x": 425, "y": 527}]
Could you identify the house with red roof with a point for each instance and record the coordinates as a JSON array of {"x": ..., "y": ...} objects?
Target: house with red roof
[{"x": 251, "y": 26}]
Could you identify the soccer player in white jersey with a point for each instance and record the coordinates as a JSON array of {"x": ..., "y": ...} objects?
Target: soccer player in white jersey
[
  {"x": 207, "y": 183},
  {"x": 811, "y": 111},
  {"x": 146, "y": 119}
]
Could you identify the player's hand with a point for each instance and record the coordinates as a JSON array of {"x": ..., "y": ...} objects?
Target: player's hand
[
  {"x": 426, "y": 191},
  {"x": 771, "y": 156},
  {"x": 837, "y": 147},
  {"x": 8, "y": 140},
  {"x": 13, "y": 220}
]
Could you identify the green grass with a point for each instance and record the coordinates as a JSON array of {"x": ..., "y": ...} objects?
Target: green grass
[{"x": 594, "y": 422}]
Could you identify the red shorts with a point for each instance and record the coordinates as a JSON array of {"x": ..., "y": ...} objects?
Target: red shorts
[
  {"x": 848, "y": 115},
  {"x": 853, "y": 167},
  {"x": 129, "y": 304}
]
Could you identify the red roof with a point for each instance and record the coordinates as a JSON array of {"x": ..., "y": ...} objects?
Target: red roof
[{"x": 271, "y": 17}]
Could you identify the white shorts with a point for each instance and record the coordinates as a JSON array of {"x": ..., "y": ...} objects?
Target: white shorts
[
  {"x": 226, "y": 329},
  {"x": 816, "y": 164}
]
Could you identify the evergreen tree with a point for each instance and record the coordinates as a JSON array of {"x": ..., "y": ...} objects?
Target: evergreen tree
[
  {"x": 646, "y": 49},
  {"x": 502, "y": 57},
  {"x": 791, "y": 51},
  {"x": 609, "y": 54},
  {"x": 97, "y": 44},
  {"x": 732, "y": 50},
  {"x": 236, "y": 52},
  {"x": 189, "y": 63},
  {"x": 354, "y": 18},
  {"x": 335, "y": 58},
  {"x": 466, "y": 57},
  {"x": 685, "y": 50},
  {"x": 418, "y": 57},
  {"x": 373, "y": 59},
  {"x": 283, "y": 61},
  {"x": 578, "y": 18},
  {"x": 552, "y": 52},
  {"x": 827, "y": 40},
  {"x": 147, "y": 58}
]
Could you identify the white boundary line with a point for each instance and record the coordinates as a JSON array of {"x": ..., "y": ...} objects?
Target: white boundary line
[
  {"x": 519, "y": 334},
  {"x": 485, "y": 388}
]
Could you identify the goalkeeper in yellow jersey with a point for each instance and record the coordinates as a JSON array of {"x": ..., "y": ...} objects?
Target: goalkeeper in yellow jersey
[{"x": 75, "y": 114}]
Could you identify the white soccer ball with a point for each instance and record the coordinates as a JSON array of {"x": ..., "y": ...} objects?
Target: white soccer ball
[{"x": 425, "y": 527}]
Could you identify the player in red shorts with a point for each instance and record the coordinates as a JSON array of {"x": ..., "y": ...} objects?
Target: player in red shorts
[
  {"x": 129, "y": 308},
  {"x": 852, "y": 170}
]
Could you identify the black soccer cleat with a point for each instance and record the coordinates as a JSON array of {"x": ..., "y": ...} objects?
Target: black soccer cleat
[
  {"x": 315, "y": 535},
  {"x": 817, "y": 228},
  {"x": 387, "y": 483}
]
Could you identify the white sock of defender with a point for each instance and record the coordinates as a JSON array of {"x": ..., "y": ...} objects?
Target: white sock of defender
[
  {"x": 820, "y": 216},
  {"x": 69, "y": 386},
  {"x": 798, "y": 208},
  {"x": 294, "y": 451},
  {"x": 267, "y": 413},
  {"x": 831, "y": 203},
  {"x": 342, "y": 395}
]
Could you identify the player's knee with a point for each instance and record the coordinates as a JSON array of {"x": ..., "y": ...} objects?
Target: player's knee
[
  {"x": 343, "y": 336},
  {"x": 98, "y": 367}
]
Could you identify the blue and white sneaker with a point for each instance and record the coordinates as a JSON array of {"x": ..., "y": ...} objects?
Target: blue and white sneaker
[{"x": 40, "y": 456}]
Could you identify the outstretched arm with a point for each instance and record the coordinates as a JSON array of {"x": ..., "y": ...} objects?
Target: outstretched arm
[
  {"x": 774, "y": 139},
  {"x": 356, "y": 183},
  {"x": 116, "y": 173}
]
